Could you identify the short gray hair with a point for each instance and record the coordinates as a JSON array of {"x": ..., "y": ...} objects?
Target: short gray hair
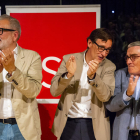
[
  {"x": 14, "y": 23},
  {"x": 136, "y": 43}
]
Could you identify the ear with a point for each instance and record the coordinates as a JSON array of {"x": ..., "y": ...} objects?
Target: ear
[
  {"x": 89, "y": 43},
  {"x": 15, "y": 36}
]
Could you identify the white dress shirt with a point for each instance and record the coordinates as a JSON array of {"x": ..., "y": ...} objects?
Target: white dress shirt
[
  {"x": 6, "y": 110},
  {"x": 81, "y": 108}
]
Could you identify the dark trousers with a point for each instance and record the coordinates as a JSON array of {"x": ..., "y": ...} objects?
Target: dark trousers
[
  {"x": 78, "y": 129},
  {"x": 132, "y": 135}
]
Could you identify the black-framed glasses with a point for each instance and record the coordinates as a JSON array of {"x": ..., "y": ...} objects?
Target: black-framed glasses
[
  {"x": 4, "y": 29},
  {"x": 132, "y": 57},
  {"x": 102, "y": 48}
]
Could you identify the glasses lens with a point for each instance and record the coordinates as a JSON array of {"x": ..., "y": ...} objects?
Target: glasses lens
[
  {"x": 132, "y": 57},
  {"x": 126, "y": 57},
  {"x": 108, "y": 50},
  {"x": 100, "y": 48},
  {"x": 1, "y": 31}
]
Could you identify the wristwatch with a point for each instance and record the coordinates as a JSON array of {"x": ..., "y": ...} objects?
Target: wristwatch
[{"x": 10, "y": 74}]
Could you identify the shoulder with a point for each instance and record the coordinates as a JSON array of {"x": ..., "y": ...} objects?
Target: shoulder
[
  {"x": 121, "y": 78},
  {"x": 121, "y": 75},
  {"x": 107, "y": 64},
  {"x": 28, "y": 53},
  {"x": 122, "y": 72},
  {"x": 66, "y": 57}
]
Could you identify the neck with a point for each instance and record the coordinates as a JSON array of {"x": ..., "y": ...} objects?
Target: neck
[{"x": 88, "y": 57}]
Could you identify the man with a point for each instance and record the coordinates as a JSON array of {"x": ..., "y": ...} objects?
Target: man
[
  {"x": 85, "y": 81},
  {"x": 20, "y": 83},
  {"x": 126, "y": 101}
]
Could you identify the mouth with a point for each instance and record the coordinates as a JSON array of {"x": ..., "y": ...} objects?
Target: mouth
[
  {"x": 100, "y": 57},
  {"x": 130, "y": 66}
]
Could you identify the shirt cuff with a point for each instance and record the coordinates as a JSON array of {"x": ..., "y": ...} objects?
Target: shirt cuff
[
  {"x": 125, "y": 97},
  {"x": 65, "y": 76},
  {"x": 91, "y": 81}
]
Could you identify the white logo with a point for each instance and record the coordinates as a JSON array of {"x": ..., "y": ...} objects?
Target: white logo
[{"x": 47, "y": 69}]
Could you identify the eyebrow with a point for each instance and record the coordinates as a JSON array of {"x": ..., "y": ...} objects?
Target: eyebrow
[
  {"x": 105, "y": 47},
  {"x": 109, "y": 48},
  {"x": 133, "y": 54}
]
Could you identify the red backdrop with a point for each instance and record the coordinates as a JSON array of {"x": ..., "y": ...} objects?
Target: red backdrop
[{"x": 53, "y": 35}]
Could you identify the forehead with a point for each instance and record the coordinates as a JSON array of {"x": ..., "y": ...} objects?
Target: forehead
[
  {"x": 107, "y": 43},
  {"x": 4, "y": 23},
  {"x": 133, "y": 50}
]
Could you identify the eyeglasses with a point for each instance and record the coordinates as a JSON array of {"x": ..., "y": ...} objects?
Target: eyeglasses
[
  {"x": 132, "y": 57},
  {"x": 102, "y": 48},
  {"x": 4, "y": 29}
]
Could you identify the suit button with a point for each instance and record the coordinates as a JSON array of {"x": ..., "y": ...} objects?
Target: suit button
[
  {"x": 120, "y": 105},
  {"x": 16, "y": 83},
  {"x": 96, "y": 85},
  {"x": 66, "y": 115}
]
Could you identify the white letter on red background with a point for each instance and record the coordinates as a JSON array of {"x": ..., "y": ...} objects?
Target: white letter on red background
[{"x": 47, "y": 69}]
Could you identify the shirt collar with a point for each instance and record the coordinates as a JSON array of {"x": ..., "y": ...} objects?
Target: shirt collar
[
  {"x": 85, "y": 63},
  {"x": 15, "y": 50}
]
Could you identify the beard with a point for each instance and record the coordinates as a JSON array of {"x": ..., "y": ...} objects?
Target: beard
[{"x": 5, "y": 43}]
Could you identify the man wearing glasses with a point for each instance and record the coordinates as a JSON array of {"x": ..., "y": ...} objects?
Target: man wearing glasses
[
  {"x": 20, "y": 83},
  {"x": 85, "y": 81},
  {"x": 126, "y": 102}
]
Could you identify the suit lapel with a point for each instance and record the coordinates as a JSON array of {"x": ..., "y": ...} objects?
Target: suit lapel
[
  {"x": 99, "y": 70},
  {"x": 79, "y": 63},
  {"x": 19, "y": 63},
  {"x": 79, "y": 67},
  {"x": 127, "y": 78},
  {"x": 1, "y": 80},
  {"x": 1, "y": 77}
]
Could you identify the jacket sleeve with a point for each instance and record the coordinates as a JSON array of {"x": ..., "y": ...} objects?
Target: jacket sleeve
[
  {"x": 59, "y": 84},
  {"x": 116, "y": 103},
  {"x": 28, "y": 84},
  {"x": 104, "y": 86}
]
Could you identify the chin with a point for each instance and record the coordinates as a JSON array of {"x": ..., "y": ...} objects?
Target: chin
[
  {"x": 133, "y": 72},
  {"x": 100, "y": 60},
  {"x": 1, "y": 47}
]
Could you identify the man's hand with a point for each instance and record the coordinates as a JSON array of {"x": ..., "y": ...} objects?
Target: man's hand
[
  {"x": 71, "y": 66},
  {"x": 132, "y": 85},
  {"x": 7, "y": 60},
  {"x": 93, "y": 65}
]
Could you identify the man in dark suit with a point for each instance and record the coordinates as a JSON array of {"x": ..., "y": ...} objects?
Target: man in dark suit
[{"x": 126, "y": 102}]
